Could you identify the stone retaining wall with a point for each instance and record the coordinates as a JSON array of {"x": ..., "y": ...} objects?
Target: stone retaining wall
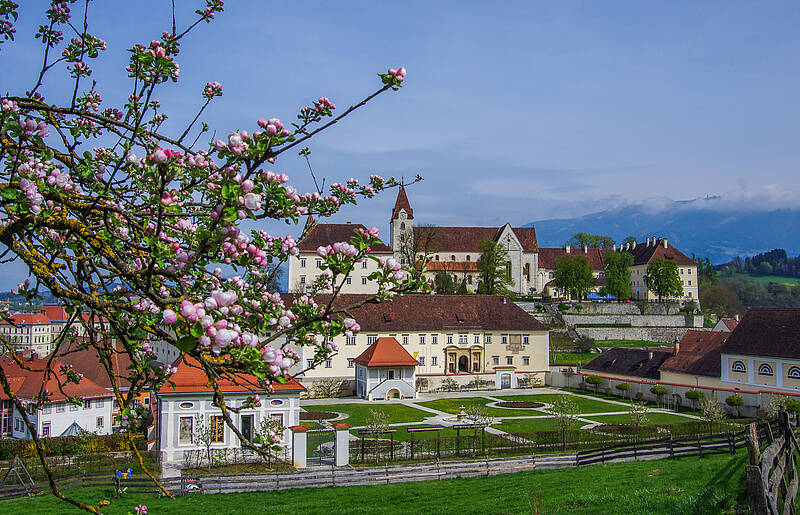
[
  {"x": 653, "y": 334},
  {"x": 637, "y": 320}
]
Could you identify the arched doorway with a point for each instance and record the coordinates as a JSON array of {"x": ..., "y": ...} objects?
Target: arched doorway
[
  {"x": 394, "y": 393},
  {"x": 463, "y": 364}
]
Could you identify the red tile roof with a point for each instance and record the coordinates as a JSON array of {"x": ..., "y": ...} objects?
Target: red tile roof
[
  {"x": 698, "y": 354},
  {"x": 435, "y": 313},
  {"x": 55, "y": 313},
  {"x": 629, "y": 362},
  {"x": 190, "y": 378},
  {"x": 644, "y": 254},
  {"x": 773, "y": 332},
  {"x": 730, "y": 323},
  {"x": 327, "y": 234},
  {"x": 466, "y": 239},
  {"x": 401, "y": 202},
  {"x": 30, "y": 382},
  {"x": 86, "y": 361},
  {"x": 548, "y": 256},
  {"x": 28, "y": 318},
  {"x": 386, "y": 352}
]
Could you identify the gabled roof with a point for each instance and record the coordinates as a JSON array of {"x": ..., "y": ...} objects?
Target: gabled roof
[
  {"x": 28, "y": 318},
  {"x": 322, "y": 235},
  {"x": 386, "y": 352},
  {"x": 419, "y": 312},
  {"x": 452, "y": 266},
  {"x": 548, "y": 256},
  {"x": 629, "y": 362},
  {"x": 698, "y": 354},
  {"x": 85, "y": 360},
  {"x": 27, "y": 383},
  {"x": 730, "y": 323},
  {"x": 773, "y": 332},
  {"x": 644, "y": 254},
  {"x": 190, "y": 378},
  {"x": 73, "y": 430},
  {"x": 466, "y": 239},
  {"x": 56, "y": 313},
  {"x": 401, "y": 202}
]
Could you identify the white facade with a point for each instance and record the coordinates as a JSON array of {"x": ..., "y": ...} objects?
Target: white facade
[
  {"x": 93, "y": 416},
  {"x": 385, "y": 383},
  {"x": 178, "y": 412}
]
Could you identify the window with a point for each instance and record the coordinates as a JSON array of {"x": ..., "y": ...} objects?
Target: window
[
  {"x": 690, "y": 282},
  {"x": 350, "y": 340},
  {"x": 526, "y": 340},
  {"x": 488, "y": 338},
  {"x": 738, "y": 366},
  {"x": 434, "y": 339},
  {"x": 46, "y": 429},
  {"x": 217, "y": 426},
  {"x": 794, "y": 373},
  {"x": 509, "y": 360},
  {"x": 309, "y": 363},
  {"x": 98, "y": 403},
  {"x": 349, "y": 280},
  {"x": 526, "y": 360},
  {"x": 372, "y": 338},
  {"x": 504, "y": 339},
  {"x": 327, "y": 363},
  {"x": 689, "y": 271},
  {"x": 468, "y": 258},
  {"x": 434, "y": 360},
  {"x": 364, "y": 264},
  {"x": 302, "y": 279},
  {"x": 405, "y": 339},
  {"x": 391, "y": 374},
  {"x": 449, "y": 338},
  {"x": 402, "y": 226},
  {"x": 681, "y": 271},
  {"x": 477, "y": 338},
  {"x": 100, "y": 422},
  {"x": 73, "y": 407},
  {"x": 690, "y": 294},
  {"x": 422, "y": 339},
  {"x": 319, "y": 263},
  {"x": 351, "y": 362},
  {"x": 46, "y": 409},
  {"x": 765, "y": 370},
  {"x": 421, "y": 360},
  {"x": 302, "y": 263},
  {"x": 462, "y": 338},
  {"x": 363, "y": 280},
  {"x": 60, "y": 407},
  {"x": 452, "y": 258},
  {"x": 185, "y": 430},
  {"x": 495, "y": 360}
]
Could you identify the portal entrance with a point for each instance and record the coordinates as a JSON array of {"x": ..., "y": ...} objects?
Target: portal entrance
[{"x": 463, "y": 364}]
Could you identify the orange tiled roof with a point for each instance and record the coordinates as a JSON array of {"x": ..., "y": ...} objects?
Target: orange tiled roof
[
  {"x": 28, "y": 383},
  {"x": 190, "y": 378},
  {"x": 452, "y": 266},
  {"x": 385, "y": 352},
  {"x": 401, "y": 202}
]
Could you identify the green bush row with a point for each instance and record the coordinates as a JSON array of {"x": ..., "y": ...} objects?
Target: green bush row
[{"x": 68, "y": 445}]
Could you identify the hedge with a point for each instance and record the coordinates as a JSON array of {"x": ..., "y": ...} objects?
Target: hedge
[{"x": 69, "y": 445}]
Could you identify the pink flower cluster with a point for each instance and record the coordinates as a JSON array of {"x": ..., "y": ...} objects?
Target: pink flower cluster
[
  {"x": 399, "y": 73},
  {"x": 140, "y": 509},
  {"x": 9, "y": 105},
  {"x": 30, "y": 126},
  {"x": 340, "y": 247},
  {"x": 212, "y": 89},
  {"x": 31, "y": 192},
  {"x": 272, "y": 127},
  {"x": 393, "y": 266}
]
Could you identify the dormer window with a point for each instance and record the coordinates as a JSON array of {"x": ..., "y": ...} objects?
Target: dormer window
[{"x": 452, "y": 258}]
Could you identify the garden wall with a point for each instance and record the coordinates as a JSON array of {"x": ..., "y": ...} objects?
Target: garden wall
[
  {"x": 636, "y": 320},
  {"x": 608, "y": 308},
  {"x": 654, "y": 334}
]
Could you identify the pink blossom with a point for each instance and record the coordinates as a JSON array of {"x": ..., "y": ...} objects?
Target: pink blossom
[{"x": 170, "y": 317}]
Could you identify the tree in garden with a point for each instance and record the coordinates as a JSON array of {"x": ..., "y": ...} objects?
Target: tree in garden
[
  {"x": 623, "y": 387},
  {"x": 573, "y": 275},
  {"x": 659, "y": 391},
  {"x": 593, "y": 241},
  {"x": 712, "y": 412},
  {"x": 448, "y": 384},
  {"x": 145, "y": 232},
  {"x": 594, "y": 380},
  {"x": 638, "y": 414},
  {"x": 565, "y": 411},
  {"x": 694, "y": 396},
  {"x": 204, "y": 435},
  {"x": 327, "y": 387},
  {"x": 270, "y": 430},
  {"x": 735, "y": 401},
  {"x": 417, "y": 246},
  {"x": 376, "y": 424},
  {"x": 662, "y": 278},
  {"x": 618, "y": 275},
  {"x": 493, "y": 268}
]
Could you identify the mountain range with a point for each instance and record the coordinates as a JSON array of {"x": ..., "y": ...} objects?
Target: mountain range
[{"x": 719, "y": 235}]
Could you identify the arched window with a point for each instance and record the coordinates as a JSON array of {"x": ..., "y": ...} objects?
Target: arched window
[
  {"x": 738, "y": 366},
  {"x": 402, "y": 226},
  {"x": 765, "y": 370},
  {"x": 437, "y": 257},
  {"x": 467, "y": 257},
  {"x": 452, "y": 258},
  {"x": 794, "y": 373}
]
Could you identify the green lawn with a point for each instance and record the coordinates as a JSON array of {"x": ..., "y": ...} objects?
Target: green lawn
[
  {"x": 585, "y": 405},
  {"x": 652, "y": 418},
  {"x": 766, "y": 279},
  {"x": 574, "y": 357},
  {"x": 684, "y": 486},
  {"x": 531, "y": 425},
  {"x": 627, "y": 343},
  {"x": 685, "y": 408},
  {"x": 402, "y": 433},
  {"x": 454, "y": 406},
  {"x": 358, "y": 413}
]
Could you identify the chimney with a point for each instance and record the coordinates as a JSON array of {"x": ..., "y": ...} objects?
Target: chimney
[
  {"x": 737, "y": 318},
  {"x": 567, "y": 248},
  {"x": 633, "y": 246},
  {"x": 666, "y": 245},
  {"x": 504, "y": 300},
  {"x": 615, "y": 247},
  {"x": 585, "y": 249},
  {"x": 677, "y": 345},
  {"x": 650, "y": 355}
]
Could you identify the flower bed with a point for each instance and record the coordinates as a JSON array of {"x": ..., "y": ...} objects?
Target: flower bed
[
  {"x": 317, "y": 415},
  {"x": 519, "y": 404}
]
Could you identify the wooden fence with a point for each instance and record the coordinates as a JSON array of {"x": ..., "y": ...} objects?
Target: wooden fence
[
  {"x": 138, "y": 485},
  {"x": 772, "y": 475}
]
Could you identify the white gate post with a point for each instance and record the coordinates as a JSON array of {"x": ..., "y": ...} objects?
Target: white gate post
[
  {"x": 299, "y": 439},
  {"x": 342, "y": 445}
]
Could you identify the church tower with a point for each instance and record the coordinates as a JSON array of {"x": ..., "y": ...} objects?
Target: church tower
[{"x": 401, "y": 225}]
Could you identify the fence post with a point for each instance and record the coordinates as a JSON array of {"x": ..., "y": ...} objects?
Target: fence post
[
  {"x": 671, "y": 447},
  {"x": 299, "y": 441},
  {"x": 362, "y": 447},
  {"x": 699, "y": 446},
  {"x": 391, "y": 446},
  {"x": 438, "y": 447},
  {"x": 458, "y": 442},
  {"x": 342, "y": 444},
  {"x": 756, "y": 496}
]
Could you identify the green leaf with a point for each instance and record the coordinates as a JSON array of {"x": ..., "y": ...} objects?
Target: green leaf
[
  {"x": 230, "y": 215},
  {"x": 186, "y": 343},
  {"x": 197, "y": 330},
  {"x": 9, "y": 193}
]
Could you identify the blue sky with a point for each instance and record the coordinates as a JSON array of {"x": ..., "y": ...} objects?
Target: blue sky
[{"x": 512, "y": 111}]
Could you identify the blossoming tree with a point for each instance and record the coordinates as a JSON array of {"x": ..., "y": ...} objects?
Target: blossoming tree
[{"x": 131, "y": 227}]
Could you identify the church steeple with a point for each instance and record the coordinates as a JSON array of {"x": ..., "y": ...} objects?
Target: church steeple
[{"x": 402, "y": 203}]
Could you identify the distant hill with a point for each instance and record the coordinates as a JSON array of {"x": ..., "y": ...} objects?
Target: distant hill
[{"x": 719, "y": 235}]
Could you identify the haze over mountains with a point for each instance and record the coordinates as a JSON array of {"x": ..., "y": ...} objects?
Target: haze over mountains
[{"x": 696, "y": 226}]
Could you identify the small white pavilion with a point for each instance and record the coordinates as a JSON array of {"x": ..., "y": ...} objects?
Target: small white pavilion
[{"x": 386, "y": 371}]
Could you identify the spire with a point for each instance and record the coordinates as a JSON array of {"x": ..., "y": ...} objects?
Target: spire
[{"x": 402, "y": 203}]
